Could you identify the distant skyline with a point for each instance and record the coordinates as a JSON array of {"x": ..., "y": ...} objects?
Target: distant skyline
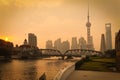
[{"x": 53, "y": 19}]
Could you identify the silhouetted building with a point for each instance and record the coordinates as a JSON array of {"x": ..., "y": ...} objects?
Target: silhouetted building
[
  {"x": 57, "y": 44},
  {"x": 102, "y": 46},
  {"x": 6, "y": 49},
  {"x": 117, "y": 47},
  {"x": 116, "y": 34},
  {"x": 25, "y": 42},
  {"x": 82, "y": 43},
  {"x": 65, "y": 46},
  {"x": 49, "y": 44},
  {"x": 90, "y": 45},
  {"x": 28, "y": 51},
  {"x": 16, "y": 45},
  {"x": 108, "y": 36},
  {"x": 32, "y": 39},
  {"x": 74, "y": 44}
]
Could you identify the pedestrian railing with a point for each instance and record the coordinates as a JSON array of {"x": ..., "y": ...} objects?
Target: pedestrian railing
[{"x": 64, "y": 73}]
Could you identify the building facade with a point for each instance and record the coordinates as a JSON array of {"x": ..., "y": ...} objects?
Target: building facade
[
  {"x": 32, "y": 39},
  {"x": 82, "y": 43},
  {"x": 49, "y": 44},
  {"x": 65, "y": 46},
  {"x": 108, "y": 36},
  {"x": 57, "y": 44},
  {"x": 103, "y": 46},
  {"x": 74, "y": 44},
  {"x": 117, "y": 47}
]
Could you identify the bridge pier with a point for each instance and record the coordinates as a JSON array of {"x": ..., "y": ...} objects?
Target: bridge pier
[
  {"x": 63, "y": 57},
  {"x": 69, "y": 57}
]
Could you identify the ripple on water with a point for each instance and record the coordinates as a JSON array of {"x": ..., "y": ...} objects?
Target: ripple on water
[{"x": 31, "y": 69}]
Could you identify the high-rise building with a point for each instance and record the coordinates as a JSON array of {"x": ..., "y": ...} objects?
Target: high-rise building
[
  {"x": 90, "y": 45},
  {"x": 32, "y": 40},
  {"x": 65, "y": 46},
  {"x": 102, "y": 46},
  {"x": 82, "y": 43},
  {"x": 117, "y": 47},
  {"x": 49, "y": 44},
  {"x": 108, "y": 36},
  {"x": 57, "y": 44},
  {"x": 116, "y": 34},
  {"x": 74, "y": 44}
]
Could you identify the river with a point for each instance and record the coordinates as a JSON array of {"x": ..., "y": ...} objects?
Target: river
[{"x": 32, "y": 69}]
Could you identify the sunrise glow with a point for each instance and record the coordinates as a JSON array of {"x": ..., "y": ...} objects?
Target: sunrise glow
[
  {"x": 53, "y": 19},
  {"x": 6, "y": 39}
]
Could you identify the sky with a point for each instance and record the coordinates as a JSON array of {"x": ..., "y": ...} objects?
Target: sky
[{"x": 53, "y": 19}]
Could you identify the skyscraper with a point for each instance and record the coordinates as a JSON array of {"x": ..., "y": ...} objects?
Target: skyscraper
[
  {"x": 65, "y": 46},
  {"x": 32, "y": 39},
  {"x": 57, "y": 44},
  {"x": 49, "y": 44},
  {"x": 89, "y": 37},
  {"x": 108, "y": 36},
  {"x": 102, "y": 46},
  {"x": 117, "y": 47},
  {"x": 82, "y": 43},
  {"x": 74, "y": 44}
]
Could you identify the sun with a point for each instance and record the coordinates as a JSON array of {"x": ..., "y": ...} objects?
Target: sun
[{"x": 6, "y": 39}]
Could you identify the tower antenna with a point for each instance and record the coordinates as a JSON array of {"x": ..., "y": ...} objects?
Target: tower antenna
[{"x": 88, "y": 13}]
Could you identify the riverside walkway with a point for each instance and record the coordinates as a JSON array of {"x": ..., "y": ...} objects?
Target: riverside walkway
[{"x": 93, "y": 75}]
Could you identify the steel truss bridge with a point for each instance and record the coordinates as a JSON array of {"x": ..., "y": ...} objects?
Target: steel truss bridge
[{"x": 71, "y": 52}]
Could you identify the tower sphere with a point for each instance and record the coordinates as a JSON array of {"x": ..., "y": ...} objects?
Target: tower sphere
[{"x": 88, "y": 24}]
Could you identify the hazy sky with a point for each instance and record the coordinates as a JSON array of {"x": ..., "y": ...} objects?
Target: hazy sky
[{"x": 53, "y": 19}]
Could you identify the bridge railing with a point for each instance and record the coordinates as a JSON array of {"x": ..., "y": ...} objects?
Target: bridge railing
[{"x": 71, "y": 52}]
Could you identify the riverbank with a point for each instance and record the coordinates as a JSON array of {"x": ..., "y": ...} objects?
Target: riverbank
[{"x": 98, "y": 64}]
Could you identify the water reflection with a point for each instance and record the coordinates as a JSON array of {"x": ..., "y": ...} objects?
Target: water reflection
[{"x": 31, "y": 69}]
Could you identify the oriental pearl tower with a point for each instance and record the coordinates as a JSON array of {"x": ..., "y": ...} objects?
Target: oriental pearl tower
[{"x": 89, "y": 37}]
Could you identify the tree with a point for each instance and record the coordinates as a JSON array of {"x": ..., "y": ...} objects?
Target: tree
[{"x": 110, "y": 53}]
